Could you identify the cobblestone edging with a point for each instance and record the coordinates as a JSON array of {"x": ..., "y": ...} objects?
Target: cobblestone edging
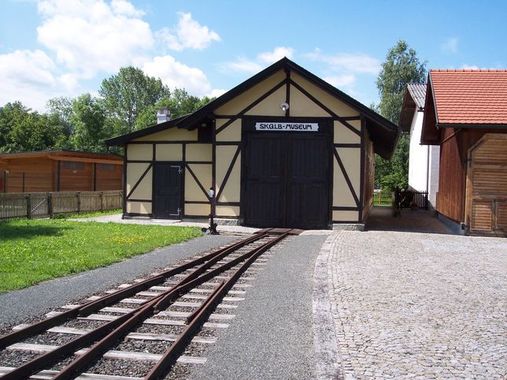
[{"x": 329, "y": 362}]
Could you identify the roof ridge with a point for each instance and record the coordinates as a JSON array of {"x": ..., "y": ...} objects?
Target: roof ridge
[{"x": 468, "y": 70}]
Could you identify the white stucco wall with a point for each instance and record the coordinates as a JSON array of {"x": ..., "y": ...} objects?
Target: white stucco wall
[
  {"x": 433, "y": 177},
  {"x": 418, "y": 161}
]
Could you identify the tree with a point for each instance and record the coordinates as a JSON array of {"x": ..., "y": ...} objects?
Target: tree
[
  {"x": 61, "y": 109},
  {"x": 88, "y": 120},
  {"x": 127, "y": 94},
  {"x": 179, "y": 104},
  {"x": 400, "y": 68},
  {"x": 24, "y": 130},
  {"x": 59, "y": 113}
]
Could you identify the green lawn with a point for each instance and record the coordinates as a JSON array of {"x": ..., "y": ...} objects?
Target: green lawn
[
  {"x": 383, "y": 198},
  {"x": 88, "y": 214},
  {"x": 35, "y": 250}
]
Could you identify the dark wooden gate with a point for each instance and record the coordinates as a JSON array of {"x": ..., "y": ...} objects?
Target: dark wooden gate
[
  {"x": 287, "y": 180},
  {"x": 167, "y": 190}
]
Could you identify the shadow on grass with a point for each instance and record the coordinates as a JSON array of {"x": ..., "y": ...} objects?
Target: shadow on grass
[{"x": 13, "y": 232}]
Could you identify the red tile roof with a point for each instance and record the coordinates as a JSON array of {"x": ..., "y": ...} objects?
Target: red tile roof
[{"x": 470, "y": 96}]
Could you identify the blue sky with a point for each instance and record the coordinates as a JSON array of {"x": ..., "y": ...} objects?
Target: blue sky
[{"x": 54, "y": 48}]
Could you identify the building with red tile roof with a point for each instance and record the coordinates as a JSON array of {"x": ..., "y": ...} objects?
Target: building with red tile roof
[{"x": 466, "y": 115}]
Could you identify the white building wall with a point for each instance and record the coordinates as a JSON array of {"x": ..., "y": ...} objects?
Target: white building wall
[
  {"x": 418, "y": 155},
  {"x": 433, "y": 177},
  {"x": 418, "y": 161}
]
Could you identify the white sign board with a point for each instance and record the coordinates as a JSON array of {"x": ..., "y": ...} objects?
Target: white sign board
[{"x": 287, "y": 127}]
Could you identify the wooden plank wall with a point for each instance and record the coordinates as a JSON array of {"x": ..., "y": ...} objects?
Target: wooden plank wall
[
  {"x": 451, "y": 191},
  {"x": 108, "y": 177},
  {"x": 40, "y": 175},
  {"x": 487, "y": 186}
]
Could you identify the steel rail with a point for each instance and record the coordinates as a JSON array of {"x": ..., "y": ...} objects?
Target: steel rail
[
  {"x": 137, "y": 314},
  {"x": 83, "y": 362},
  {"x": 197, "y": 319},
  {"x": 109, "y": 299}
]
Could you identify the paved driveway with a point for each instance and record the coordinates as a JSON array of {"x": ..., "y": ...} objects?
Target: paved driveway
[{"x": 412, "y": 305}]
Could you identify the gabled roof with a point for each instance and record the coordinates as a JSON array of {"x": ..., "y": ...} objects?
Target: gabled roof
[
  {"x": 464, "y": 99},
  {"x": 418, "y": 93},
  {"x": 413, "y": 100},
  {"x": 470, "y": 96},
  {"x": 384, "y": 136}
]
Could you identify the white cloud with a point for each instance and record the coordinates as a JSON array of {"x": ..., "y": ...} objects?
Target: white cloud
[
  {"x": 91, "y": 36},
  {"x": 470, "y": 67},
  {"x": 355, "y": 63},
  {"x": 216, "y": 92},
  {"x": 125, "y": 8},
  {"x": 253, "y": 66},
  {"x": 345, "y": 80},
  {"x": 450, "y": 45},
  {"x": 176, "y": 74},
  {"x": 243, "y": 65},
  {"x": 187, "y": 34},
  {"x": 275, "y": 55},
  {"x": 29, "y": 76},
  {"x": 88, "y": 39}
]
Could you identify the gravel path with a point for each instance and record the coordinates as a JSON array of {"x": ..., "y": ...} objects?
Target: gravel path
[
  {"x": 272, "y": 334},
  {"x": 18, "y": 306},
  {"x": 411, "y": 305}
]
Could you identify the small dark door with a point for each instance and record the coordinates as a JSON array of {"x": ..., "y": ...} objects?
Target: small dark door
[
  {"x": 287, "y": 180},
  {"x": 167, "y": 190}
]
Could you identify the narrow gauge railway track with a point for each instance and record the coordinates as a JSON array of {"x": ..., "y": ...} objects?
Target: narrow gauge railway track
[{"x": 207, "y": 279}]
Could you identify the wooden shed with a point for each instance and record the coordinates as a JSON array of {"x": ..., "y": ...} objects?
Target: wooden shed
[
  {"x": 465, "y": 113},
  {"x": 47, "y": 171},
  {"x": 283, "y": 149}
]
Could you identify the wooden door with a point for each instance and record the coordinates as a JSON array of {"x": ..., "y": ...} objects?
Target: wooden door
[
  {"x": 167, "y": 190},
  {"x": 308, "y": 182},
  {"x": 487, "y": 186},
  {"x": 287, "y": 181},
  {"x": 264, "y": 203}
]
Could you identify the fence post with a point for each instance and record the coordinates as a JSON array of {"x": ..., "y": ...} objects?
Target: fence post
[
  {"x": 78, "y": 195},
  {"x": 50, "y": 205},
  {"x": 29, "y": 206},
  {"x": 101, "y": 201}
]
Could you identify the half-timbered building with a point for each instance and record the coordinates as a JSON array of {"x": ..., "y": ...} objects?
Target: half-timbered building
[
  {"x": 284, "y": 148},
  {"x": 465, "y": 114}
]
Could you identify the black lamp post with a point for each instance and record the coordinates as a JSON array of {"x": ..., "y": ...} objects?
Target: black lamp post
[{"x": 212, "y": 225}]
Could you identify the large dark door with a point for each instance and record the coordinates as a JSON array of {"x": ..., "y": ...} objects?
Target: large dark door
[
  {"x": 287, "y": 180},
  {"x": 167, "y": 190}
]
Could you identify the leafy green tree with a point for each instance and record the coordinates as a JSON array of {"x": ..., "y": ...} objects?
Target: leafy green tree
[
  {"x": 61, "y": 108},
  {"x": 179, "y": 104},
  {"x": 88, "y": 119},
  {"x": 25, "y": 130},
  {"x": 400, "y": 68},
  {"x": 127, "y": 94}
]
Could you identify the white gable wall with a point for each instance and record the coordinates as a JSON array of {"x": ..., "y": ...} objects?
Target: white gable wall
[{"x": 418, "y": 161}]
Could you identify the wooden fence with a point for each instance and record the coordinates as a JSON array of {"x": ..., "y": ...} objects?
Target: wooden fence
[{"x": 37, "y": 205}]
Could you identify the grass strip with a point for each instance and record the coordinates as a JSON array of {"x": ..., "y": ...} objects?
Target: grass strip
[{"x": 32, "y": 251}]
